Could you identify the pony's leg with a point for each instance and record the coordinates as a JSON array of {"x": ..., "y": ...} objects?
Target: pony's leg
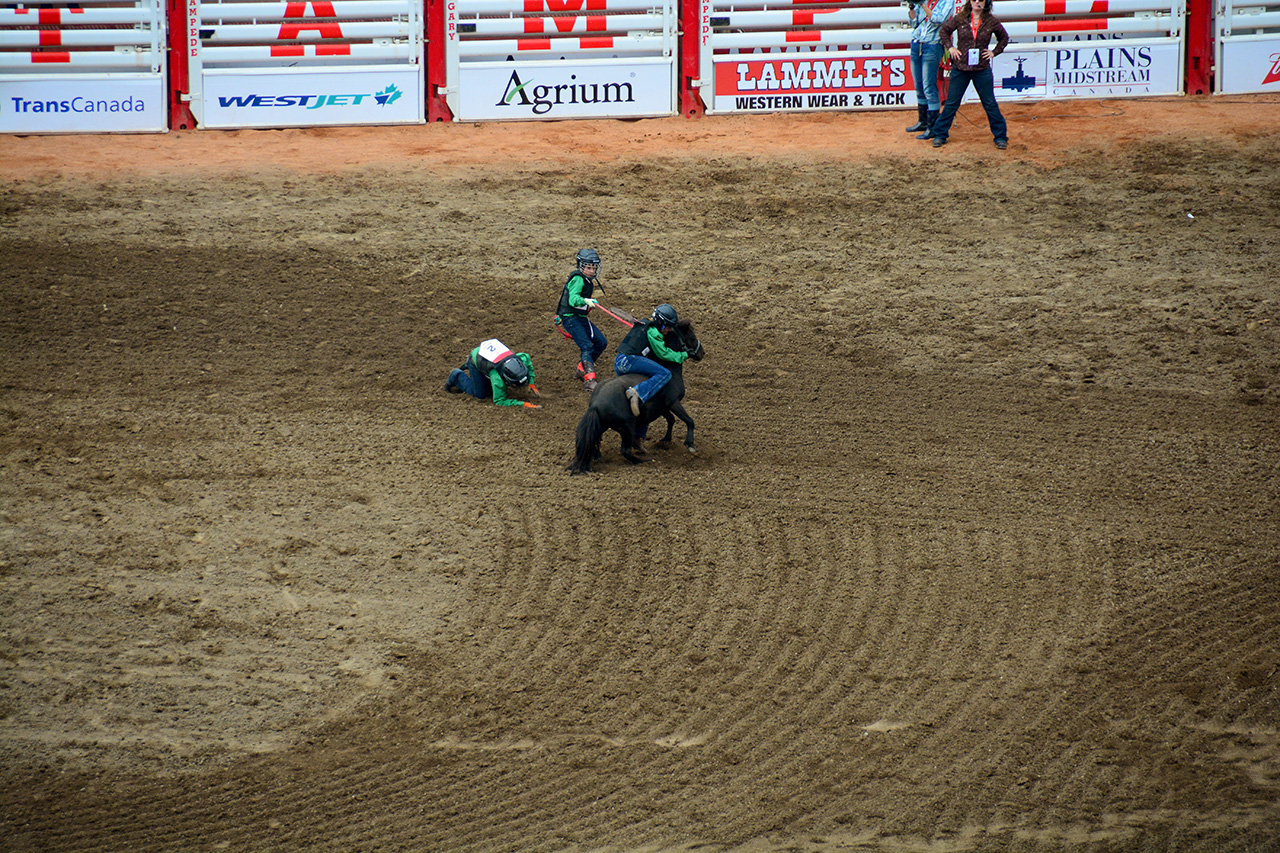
[
  {"x": 677, "y": 409},
  {"x": 671, "y": 422},
  {"x": 628, "y": 444}
]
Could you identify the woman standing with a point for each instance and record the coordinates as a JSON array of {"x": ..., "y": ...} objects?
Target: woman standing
[
  {"x": 926, "y": 55},
  {"x": 974, "y": 25}
]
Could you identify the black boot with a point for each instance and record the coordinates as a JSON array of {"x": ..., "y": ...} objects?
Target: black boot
[
  {"x": 928, "y": 131},
  {"x": 922, "y": 111}
]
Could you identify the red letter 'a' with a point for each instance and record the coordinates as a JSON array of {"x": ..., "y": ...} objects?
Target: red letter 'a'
[{"x": 331, "y": 30}]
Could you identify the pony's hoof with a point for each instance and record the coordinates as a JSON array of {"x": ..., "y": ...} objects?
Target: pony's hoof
[{"x": 691, "y": 448}]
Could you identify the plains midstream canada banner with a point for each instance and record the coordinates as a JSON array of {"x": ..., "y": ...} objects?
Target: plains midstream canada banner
[
  {"x": 83, "y": 104},
  {"x": 1090, "y": 70}
]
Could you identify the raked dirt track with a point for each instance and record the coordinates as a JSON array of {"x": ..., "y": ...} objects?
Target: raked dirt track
[{"x": 980, "y": 550}]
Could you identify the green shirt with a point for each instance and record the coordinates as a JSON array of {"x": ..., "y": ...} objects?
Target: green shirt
[
  {"x": 499, "y": 387},
  {"x": 658, "y": 347}
]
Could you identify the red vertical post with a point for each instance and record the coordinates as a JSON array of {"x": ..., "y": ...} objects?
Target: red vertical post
[
  {"x": 688, "y": 67},
  {"x": 179, "y": 84},
  {"x": 437, "y": 11},
  {"x": 1199, "y": 46}
]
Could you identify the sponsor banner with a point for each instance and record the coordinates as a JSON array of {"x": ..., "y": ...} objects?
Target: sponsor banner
[
  {"x": 1075, "y": 38},
  {"x": 507, "y": 91},
  {"x": 1249, "y": 66},
  {"x": 788, "y": 82},
  {"x": 283, "y": 98},
  {"x": 107, "y": 104},
  {"x": 1086, "y": 70}
]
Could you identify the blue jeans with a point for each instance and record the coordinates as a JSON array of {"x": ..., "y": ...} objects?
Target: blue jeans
[
  {"x": 658, "y": 375},
  {"x": 590, "y": 340},
  {"x": 472, "y": 380},
  {"x": 925, "y": 59},
  {"x": 984, "y": 84}
]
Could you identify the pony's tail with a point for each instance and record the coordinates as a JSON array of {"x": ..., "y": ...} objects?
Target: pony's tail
[{"x": 590, "y": 432}]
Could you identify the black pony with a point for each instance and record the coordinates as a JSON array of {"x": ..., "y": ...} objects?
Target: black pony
[{"x": 610, "y": 409}]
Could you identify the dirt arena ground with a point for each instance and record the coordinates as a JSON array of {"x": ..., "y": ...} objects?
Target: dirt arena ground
[{"x": 980, "y": 552}]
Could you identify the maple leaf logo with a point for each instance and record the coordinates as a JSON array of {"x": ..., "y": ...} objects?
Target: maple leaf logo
[{"x": 388, "y": 96}]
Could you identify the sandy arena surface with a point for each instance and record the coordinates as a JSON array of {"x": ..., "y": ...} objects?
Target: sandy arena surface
[{"x": 980, "y": 550}]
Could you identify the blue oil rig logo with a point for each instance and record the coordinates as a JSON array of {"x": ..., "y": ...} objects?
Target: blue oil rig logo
[{"x": 1019, "y": 81}]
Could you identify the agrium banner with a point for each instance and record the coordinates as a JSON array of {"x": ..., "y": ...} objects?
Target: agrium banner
[{"x": 507, "y": 91}]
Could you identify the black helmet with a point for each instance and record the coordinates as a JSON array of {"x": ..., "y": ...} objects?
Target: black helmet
[
  {"x": 588, "y": 256},
  {"x": 664, "y": 315},
  {"x": 513, "y": 371}
]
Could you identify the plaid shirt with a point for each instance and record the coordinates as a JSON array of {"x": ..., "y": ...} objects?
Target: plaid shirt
[
  {"x": 926, "y": 18},
  {"x": 965, "y": 39}
]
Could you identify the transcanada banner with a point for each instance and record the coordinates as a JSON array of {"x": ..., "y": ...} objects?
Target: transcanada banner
[
  {"x": 509, "y": 91},
  {"x": 91, "y": 104},
  {"x": 304, "y": 99}
]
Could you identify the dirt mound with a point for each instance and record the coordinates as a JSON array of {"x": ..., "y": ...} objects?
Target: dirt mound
[{"x": 979, "y": 550}]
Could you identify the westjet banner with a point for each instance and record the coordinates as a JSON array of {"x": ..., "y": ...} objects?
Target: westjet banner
[{"x": 306, "y": 99}]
